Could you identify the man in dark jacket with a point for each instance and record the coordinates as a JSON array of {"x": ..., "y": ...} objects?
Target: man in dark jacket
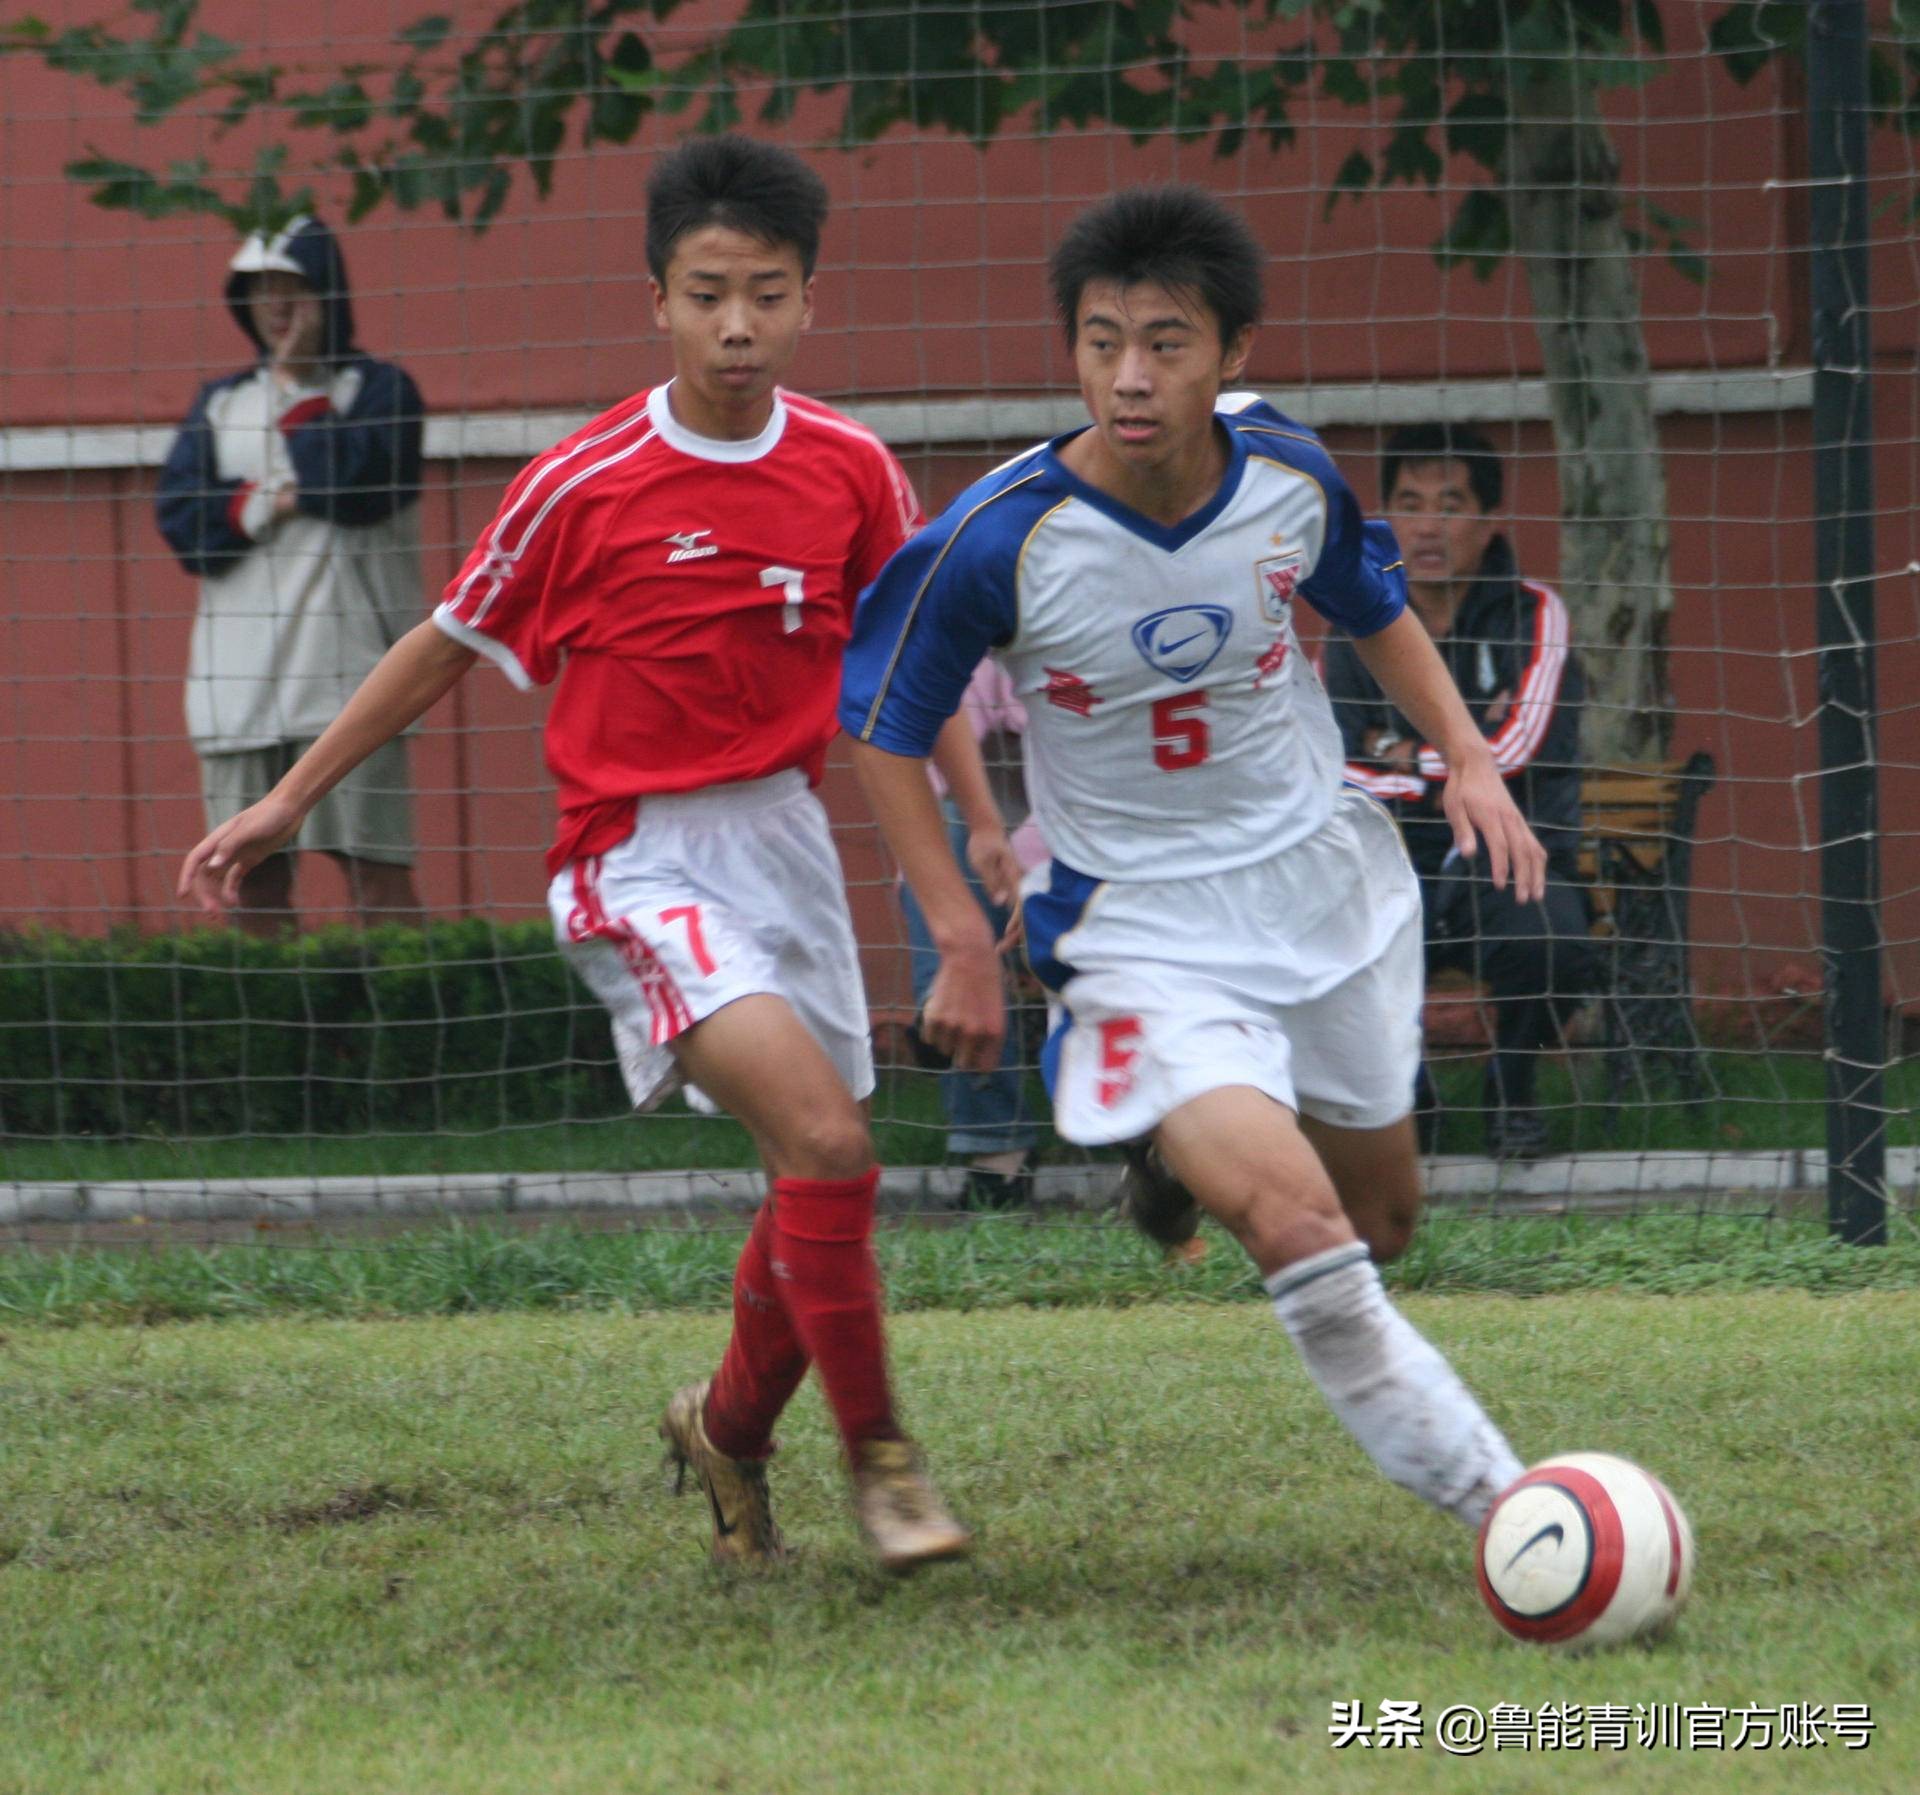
[
  {"x": 1507, "y": 641},
  {"x": 292, "y": 491}
]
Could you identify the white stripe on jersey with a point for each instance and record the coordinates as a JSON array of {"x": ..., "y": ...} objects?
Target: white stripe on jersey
[
  {"x": 1517, "y": 740},
  {"x": 500, "y": 563}
]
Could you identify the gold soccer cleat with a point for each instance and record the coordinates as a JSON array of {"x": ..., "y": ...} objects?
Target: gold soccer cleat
[
  {"x": 736, "y": 1488},
  {"x": 899, "y": 1510}
]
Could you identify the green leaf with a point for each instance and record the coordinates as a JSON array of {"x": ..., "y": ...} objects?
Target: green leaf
[
  {"x": 127, "y": 187},
  {"x": 1410, "y": 158},
  {"x": 426, "y": 34},
  {"x": 1480, "y": 234},
  {"x": 1354, "y": 176},
  {"x": 1342, "y": 81},
  {"x": 1477, "y": 127},
  {"x": 1747, "y": 36},
  {"x": 341, "y": 107}
]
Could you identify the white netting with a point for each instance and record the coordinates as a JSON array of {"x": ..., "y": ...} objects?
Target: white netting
[{"x": 469, "y": 1064}]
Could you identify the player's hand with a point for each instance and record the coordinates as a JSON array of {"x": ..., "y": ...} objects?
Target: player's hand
[
  {"x": 965, "y": 1015},
  {"x": 1482, "y": 810},
  {"x": 211, "y": 873},
  {"x": 990, "y": 854}
]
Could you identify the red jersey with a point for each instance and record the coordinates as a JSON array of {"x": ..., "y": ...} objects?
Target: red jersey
[{"x": 692, "y": 596}]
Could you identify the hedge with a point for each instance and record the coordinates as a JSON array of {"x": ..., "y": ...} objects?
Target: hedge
[{"x": 460, "y": 1024}]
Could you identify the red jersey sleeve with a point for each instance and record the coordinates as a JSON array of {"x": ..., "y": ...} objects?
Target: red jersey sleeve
[
  {"x": 497, "y": 603},
  {"x": 892, "y": 515}
]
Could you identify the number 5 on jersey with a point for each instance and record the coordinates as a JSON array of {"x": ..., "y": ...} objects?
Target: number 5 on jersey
[{"x": 1180, "y": 735}]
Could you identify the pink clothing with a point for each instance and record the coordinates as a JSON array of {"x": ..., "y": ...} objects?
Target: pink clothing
[{"x": 991, "y": 704}]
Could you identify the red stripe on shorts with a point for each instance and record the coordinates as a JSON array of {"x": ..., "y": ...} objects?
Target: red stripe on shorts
[{"x": 664, "y": 1001}]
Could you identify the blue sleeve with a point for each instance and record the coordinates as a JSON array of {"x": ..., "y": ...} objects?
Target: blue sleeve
[
  {"x": 922, "y": 628},
  {"x": 194, "y": 506},
  {"x": 1360, "y": 581},
  {"x": 361, "y": 467}
]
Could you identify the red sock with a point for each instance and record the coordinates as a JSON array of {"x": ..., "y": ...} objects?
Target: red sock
[
  {"x": 764, "y": 1361},
  {"x": 823, "y": 1258}
]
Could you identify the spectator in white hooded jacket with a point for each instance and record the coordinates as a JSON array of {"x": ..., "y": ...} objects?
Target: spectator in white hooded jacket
[{"x": 292, "y": 490}]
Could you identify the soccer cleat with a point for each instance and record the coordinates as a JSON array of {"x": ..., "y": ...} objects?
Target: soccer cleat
[
  {"x": 1517, "y": 1134},
  {"x": 736, "y": 1488},
  {"x": 1157, "y": 1203},
  {"x": 899, "y": 1510},
  {"x": 986, "y": 1189}
]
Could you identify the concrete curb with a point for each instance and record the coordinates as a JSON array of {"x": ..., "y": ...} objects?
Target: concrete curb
[{"x": 1598, "y": 1181}]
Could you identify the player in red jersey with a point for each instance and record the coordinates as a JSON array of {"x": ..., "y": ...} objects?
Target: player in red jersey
[{"x": 686, "y": 567}]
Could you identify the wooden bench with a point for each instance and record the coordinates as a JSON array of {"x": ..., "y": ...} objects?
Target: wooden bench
[
  {"x": 1636, "y": 860},
  {"x": 1636, "y": 855}
]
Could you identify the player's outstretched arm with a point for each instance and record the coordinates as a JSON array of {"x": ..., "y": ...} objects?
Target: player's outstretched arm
[
  {"x": 413, "y": 675},
  {"x": 957, "y": 754},
  {"x": 965, "y": 1013},
  {"x": 1403, "y": 659}
]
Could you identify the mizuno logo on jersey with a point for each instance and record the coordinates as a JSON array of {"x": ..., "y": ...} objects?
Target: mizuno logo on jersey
[
  {"x": 1181, "y": 642},
  {"x": 691, "y": 547}
]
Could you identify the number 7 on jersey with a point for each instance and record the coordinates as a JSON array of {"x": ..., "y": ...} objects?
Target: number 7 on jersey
[{"x": 795, "y": 583}]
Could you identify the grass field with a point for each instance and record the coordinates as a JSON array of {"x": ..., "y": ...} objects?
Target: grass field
[
  {"x": 1753, "y": 1100},
  {"x": 312, "y": 1555}
]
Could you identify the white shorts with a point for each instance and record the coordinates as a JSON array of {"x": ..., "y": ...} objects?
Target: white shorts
[
  {"x": 717, "y": 895},
  {"x": 1301, "y": 976}
]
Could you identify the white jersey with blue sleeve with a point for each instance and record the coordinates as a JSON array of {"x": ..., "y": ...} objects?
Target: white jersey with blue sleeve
[{"x": 1174, "y": 727}]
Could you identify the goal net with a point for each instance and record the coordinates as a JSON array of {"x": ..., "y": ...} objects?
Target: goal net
[{"x": 1581, "y": 252}]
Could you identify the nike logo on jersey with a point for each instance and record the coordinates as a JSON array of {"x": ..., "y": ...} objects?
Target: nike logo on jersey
[
  {"x": 1181, "y": 642},
  {"x": 691, "y": 547}
]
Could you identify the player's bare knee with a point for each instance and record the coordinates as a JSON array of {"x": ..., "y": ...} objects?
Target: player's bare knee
[
  {"x": 833, "y": 1145},
  {"x": 1275, "y": 1218}
]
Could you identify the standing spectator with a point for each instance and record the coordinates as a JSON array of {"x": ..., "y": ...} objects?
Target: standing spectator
[
  {"x": 1505, "y": 640},
  {"x": 989, "y": 1124},
  {"x": 292, "y": 491}
]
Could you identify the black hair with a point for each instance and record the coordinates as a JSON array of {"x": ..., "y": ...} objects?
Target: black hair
[
  {"x": 765, "y": 192},
  {"x": 1182, "y": 238},
  {"x": 1444, "y": 442}
]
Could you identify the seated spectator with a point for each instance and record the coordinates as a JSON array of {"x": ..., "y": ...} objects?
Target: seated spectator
[
  {"x": 1507, "y": 641},
  {"x": 990, "y": 1124}
]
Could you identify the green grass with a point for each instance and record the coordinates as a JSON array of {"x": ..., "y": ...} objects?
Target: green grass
[
  {"x": 309, "y": 1556},
  {"x": 986, "y": 1264},
  {"x": 1754, "y": 1101}
]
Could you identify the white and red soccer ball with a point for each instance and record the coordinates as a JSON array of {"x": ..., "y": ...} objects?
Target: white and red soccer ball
[{"x": 1585, "y": 1550}]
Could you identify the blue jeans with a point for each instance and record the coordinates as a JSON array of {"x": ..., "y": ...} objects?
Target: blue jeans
[{"x": 986, "y": 1111}]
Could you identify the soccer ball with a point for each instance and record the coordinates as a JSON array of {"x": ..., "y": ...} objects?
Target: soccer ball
[{"x": 1585, "y": 1550}]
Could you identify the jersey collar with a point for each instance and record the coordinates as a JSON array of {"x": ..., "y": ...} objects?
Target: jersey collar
[
  {"x": 707, "y": 448},
  {"x": 1171, "y": 538}
]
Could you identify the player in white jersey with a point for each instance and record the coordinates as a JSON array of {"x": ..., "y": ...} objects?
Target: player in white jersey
[{"x": 1232, "y": 938}]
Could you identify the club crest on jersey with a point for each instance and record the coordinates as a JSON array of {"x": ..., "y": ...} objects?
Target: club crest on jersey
[
  {"x": 1182, "y": 641},
  {"x": 1278, "y": 576},
  {"x": 689, "y": 547}
]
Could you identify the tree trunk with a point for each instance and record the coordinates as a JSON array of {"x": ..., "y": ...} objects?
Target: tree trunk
[{"x": 1564, "y": 200}]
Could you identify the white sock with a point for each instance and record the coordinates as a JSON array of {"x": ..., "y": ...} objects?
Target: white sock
[{"x": 1392, "y": 1391}]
